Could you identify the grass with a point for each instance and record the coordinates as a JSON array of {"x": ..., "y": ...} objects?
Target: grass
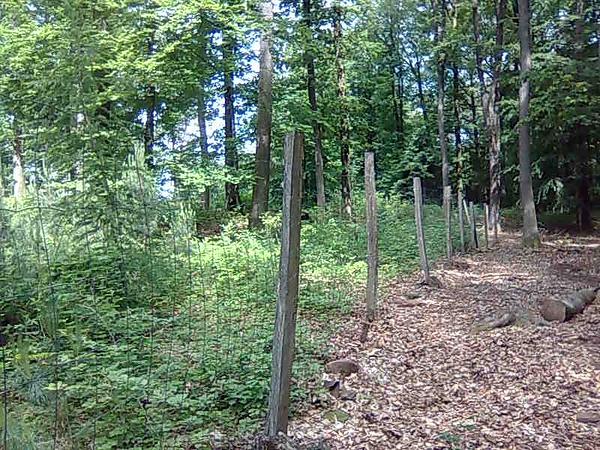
[{"x": 157, "y": 341}]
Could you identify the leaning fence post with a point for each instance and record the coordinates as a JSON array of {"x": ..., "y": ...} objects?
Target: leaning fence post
[
  {"x": 448, "y": 218},
  {"x": 474, "y": 241},
  {"x": 420, "y": 232},
  {"x": 461, "y": 221},
  {"x": 486, "y": 212},
  {"x": 287, "y": 295},
  {"x": 371, "y": 206}
]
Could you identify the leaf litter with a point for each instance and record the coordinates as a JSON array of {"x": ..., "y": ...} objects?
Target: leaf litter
[{"x": 430, "y": 379}]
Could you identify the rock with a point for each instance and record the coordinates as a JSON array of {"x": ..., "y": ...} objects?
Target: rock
[
  {"x": 412, "y": 295},
  {"x": 588, "y": 417},
  {"x": 342, "y": 366},
  {"x": 336, "y": 415},
  {"x": 347, "y": 394}
]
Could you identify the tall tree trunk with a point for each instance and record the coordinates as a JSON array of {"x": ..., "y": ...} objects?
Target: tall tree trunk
[
  {"x": 584, "y": 206},
  {"x": 18, "y": 166},
  {"x": 344, "y": 130},
  {"x": 420, "y": 91},
  {"x": 201, "y": 112},
  {"x": 311, "y": 86},
  {"x": 264, "y": 119},
  {"x": 494, "y": 125},
  {"x": 531, "y": 236},
  {"x": 457, "y": 135},
  {"x": 232, "y": 195},
  {"x": 438, "y": 7},
  {"x": 150, "y": 125}
]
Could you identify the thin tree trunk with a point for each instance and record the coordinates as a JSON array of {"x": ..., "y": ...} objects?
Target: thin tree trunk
[
  {"x": 311, "y": 86},
  {"x": 495, "y": 96},
  {"x": 150, "y": 125},
  {"x": 260, "y": 195},
  {"x": 584, "y": 206},
  {"x": 438, "y": 9},
  {"x": 344, "y": 130},
  {"x": 18, "y": 166},
  {"x": 531, "y": 237},
  {"x": 421, "y": 94},
  {"x": 457, "y": 135},
  {"x": 203, "y": 139},
  {"x": 231, "y": 157}
]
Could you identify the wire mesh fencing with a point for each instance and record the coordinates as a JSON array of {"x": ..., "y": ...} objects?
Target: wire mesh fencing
[{"x": 127, "y": 323}]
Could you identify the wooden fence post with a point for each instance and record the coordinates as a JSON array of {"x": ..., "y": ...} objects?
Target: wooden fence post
[
  {"x": 287, "y": 295},
  {"x": 486, "y": 212},
  {"x": 448, "y": 219},
  {"x": 461, "y": 221},
  {"x": 474, "y": 241},
  {"x": 420, "y": 232},
  {"x": 466, "y": 210},
  {"x": 371, "y": 206}
]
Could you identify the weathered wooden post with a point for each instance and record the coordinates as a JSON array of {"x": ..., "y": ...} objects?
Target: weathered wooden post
[
  {"x": 371, "y": 206},
  {"x": 448, "y": 219},
  {"x": 486, "y": 212},
  {"x": 461, "y": 221},
  {"x": 420, "y": 232},
  {"x": 466, "y": 210},
  {"x": 287, "y": 295},
  {"x": 474, "y": 241}
]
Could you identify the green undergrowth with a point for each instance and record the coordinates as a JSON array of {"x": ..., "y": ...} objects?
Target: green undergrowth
[{"x": 153, "y": 337}]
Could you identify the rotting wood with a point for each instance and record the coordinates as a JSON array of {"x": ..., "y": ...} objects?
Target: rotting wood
[{"x": 565, "y": 309}]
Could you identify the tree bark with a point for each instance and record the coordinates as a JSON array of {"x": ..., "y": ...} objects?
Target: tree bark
[
  {"x": 531, "y": 236},
  {"x": 18, "y": 166},
  {"x": 150, "y": 126},
  {"x": 201, "y": 111},
  {"x": 344, "y": 129},
  {"x": 260, "y": 195},
  {"x": 457, "y": 136},
  {"x": 438, "y": 9},
  {"x": 311, "y": 86},
  {"x": 495, "y": 96},
  {"x": 231, "y": 156}
]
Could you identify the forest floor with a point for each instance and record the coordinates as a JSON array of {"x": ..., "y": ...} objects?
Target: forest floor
[{"x": 429, "y": 379}]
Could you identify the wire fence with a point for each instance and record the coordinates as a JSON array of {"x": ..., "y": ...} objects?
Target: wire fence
[{"x": 125, "y": 326}]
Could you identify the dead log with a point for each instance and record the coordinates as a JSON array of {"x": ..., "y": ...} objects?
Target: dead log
[
  {"x": 562, "y": 310},
  {"x": 504, "y": 320}
]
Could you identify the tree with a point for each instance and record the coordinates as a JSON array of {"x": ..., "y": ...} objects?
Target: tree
[
  {"x": 232, "y": 192},
  {"x": 311, "y": 87},
  {"x": 260, "y": 196},
  {"x": 344, "y": 127},
  {"x": 531, "y": 237},
  {"x": 439, "y": 11}
]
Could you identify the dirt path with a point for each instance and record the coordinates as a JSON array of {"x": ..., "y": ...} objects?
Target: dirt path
[{"x": 428, "y": 381}]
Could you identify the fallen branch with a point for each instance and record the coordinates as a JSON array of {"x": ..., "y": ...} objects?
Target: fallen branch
[
  {"x": 504, "y": 320},
  {"x": 562, "y": 310}
]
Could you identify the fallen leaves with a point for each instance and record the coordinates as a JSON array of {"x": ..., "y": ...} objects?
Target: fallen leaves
[{"x": 427, "y": 382}]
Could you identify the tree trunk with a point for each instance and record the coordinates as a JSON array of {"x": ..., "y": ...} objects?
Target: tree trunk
[
  {"x": 311, "y": 86},
  {"x": 18, "y": 166},
  {"x": 231, "y": 157},
  {"x": 203, "y": 139},
  {"x": 344, "y": 130},
  {"x": 531, "y": 237},
  {"x": 264, "y": 119},
  {"x": 584, "y": 206},
  {"x": 457, "y": 136},
  {"x": 439, "y": 12},
  {"x": 495, "y": 96},
  {"x": 150, "y": 125}
]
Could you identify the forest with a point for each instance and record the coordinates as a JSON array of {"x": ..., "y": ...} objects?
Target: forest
[{"x": 143, "y": 195}]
